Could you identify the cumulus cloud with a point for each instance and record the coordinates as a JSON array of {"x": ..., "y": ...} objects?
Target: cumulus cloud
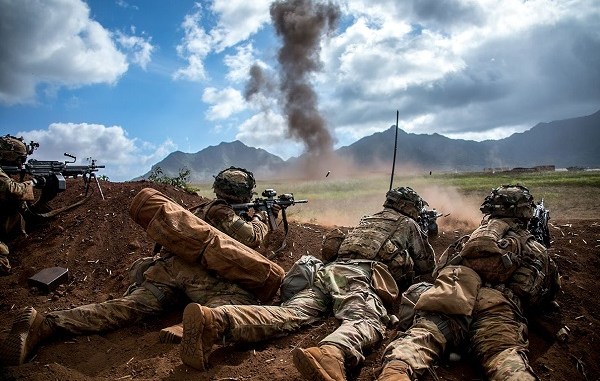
[
  {"x": 124, "y": 158},
  {"x": 463, "y": 68},
  {"x": 139, "y": 48},
  {"x": 238, "y": 20},
  {"x": 54, "y": 43},
  {"x": 194, "y": 47},
  {"x": 268, "y": 130},
  {"x": 224, "y": 102}
]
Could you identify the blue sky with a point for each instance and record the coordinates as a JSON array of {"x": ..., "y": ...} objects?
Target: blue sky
[{"x": 129, "y": 81}]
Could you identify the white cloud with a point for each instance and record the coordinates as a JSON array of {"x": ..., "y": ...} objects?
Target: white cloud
[
  {"x": 124, "y": 158},
  {"x": 268, "y": 131},
  {"x": 238, "y": 20},
  {"x": 239, "y": 64},
  {"x": 140, "y": 48},
  {"x": 194, "y": 48},
  {"x": 460, "y": 68},
  {"x": 53, "y": 43},
  {"x": 224, "y": 102}
]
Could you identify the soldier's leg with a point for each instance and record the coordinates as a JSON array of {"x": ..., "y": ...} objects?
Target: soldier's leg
[
  {"x": 415, "y": 351},
  {"x": 204, "y": 326},
  {"x": 499, "y": 337},
  {"x": 361, "y": 312},
  {"x": 31, "y": 328},
  {"x": 202, "y": 287}
]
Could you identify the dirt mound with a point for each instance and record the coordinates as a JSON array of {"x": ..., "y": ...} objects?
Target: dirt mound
[{"x": 97, "y": 241}]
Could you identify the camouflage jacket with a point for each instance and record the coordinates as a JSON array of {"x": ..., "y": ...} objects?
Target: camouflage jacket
[
  {"x": 221, "y": 215},
  {"x": 11, "y": 191},
  {"x": 393, "y": 239}
]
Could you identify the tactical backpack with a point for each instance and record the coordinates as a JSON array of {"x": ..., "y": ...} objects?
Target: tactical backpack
[{"x": 493, "y": 250}]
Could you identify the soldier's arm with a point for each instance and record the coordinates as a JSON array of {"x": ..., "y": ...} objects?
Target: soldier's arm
[
  {"x": 11, "y": 189},
  {"x": 251, "y": 233},
  {"x": 420, "y": 249}
]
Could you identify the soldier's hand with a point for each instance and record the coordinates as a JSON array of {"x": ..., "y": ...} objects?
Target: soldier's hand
[{"x": 276, "y": 208}]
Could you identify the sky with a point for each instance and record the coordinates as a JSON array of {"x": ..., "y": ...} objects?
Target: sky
[{"x": 126, "y": 82}]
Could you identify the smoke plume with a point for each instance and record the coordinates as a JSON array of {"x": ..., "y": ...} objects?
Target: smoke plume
[{"x": 300, "y": 24}]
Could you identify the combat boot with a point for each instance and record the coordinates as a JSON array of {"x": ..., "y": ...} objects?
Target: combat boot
[
  {"x": 323, "y": 363},
  {"x": 29, "y": 329},
  {"x": 395, "y": 370},
  {"x": 172, "y": 334},
  {"x": 202, "y": 328}
]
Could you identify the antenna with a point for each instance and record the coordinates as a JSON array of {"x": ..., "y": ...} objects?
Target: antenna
[{"x": 395, "y": 148}]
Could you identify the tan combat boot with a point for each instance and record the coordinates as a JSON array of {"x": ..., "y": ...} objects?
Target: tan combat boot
[
  {"x": 29, "y": 329},
  {"x": 395, "y": 370},
  {"x": 172, "y": 334},
  {"x": 323, "y": 363},
  {"x": 202, "y": 328}
]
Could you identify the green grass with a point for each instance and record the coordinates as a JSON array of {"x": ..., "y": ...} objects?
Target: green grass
[{"x": 334, "y": 201}]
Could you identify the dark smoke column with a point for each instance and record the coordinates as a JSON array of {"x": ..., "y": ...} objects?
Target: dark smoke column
[{"x": 300, "y": 24}]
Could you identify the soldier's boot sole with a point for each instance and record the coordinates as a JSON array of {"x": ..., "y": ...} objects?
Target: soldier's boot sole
[
  {"x": 22, "y": 337},
  {"x": 194, "y": 346},
  {"x": 310, "y": 367},
  {"x": 172, "y": 334}
]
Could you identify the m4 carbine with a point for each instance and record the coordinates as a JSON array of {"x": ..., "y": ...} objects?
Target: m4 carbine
[{"x": 265, "y": 204}]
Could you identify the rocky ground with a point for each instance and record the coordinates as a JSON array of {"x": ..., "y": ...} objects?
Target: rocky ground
[{"x": 97, "y": 241}]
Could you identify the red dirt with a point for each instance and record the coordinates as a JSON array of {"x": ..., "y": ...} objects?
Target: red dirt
[{"x": 97, "y": 241}]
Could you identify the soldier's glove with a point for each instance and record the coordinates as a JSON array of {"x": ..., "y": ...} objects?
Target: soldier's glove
[
  {"x": 275, "y": 209},
  {"x": 261, "y": 216},
  {"x": 38, "y": 182}
]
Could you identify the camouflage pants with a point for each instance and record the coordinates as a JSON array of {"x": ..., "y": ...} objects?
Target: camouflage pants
[
  {"x": 499, "y": 337},
  {"x": 341, "y": 287},
  {"x": 179, "y": 282},
  {"x": 421, "y": 346}
]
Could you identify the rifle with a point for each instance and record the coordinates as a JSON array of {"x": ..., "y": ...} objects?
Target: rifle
[
  {"x": 428, "y": 221},
  {"x": 265, "y": 204},
  {"x": 538, "y": 224},
  {"x": 50, "y": 174}
]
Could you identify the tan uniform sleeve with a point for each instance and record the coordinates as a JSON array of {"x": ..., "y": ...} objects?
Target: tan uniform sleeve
[
  {"x": 14, "y": 190},
  {"x": 250, "y": 233}
]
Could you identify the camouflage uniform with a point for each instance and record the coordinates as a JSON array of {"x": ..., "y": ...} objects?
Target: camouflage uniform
[
  {"x": 167, "y": 281},
  {"x": 498, "y": 328},
  {"x": 429, "y": 335},
  {"x": 161, "y": 283},
  {"x": 344, "y": 286},
  {"x": 13, "y": 195}
]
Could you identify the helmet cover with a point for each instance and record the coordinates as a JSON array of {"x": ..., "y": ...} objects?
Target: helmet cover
[
  {"x": 509, "y": 201},
  {"x": 406, "y": 201},
  {"x": 234, "y": 184}
]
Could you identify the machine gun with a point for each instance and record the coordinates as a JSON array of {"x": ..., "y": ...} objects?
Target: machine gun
[
  {"x": 50, "y": 175},
  {"x": 265, "y": 204},
  {"x": 538, "y": 224},
  {"x": 428, "y": 221}
]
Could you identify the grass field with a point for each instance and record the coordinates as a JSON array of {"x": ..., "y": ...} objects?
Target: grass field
[{"x": 332, "y": 201}]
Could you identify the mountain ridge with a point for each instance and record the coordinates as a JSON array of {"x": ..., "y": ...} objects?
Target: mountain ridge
[{"x": 562, "y": 143}]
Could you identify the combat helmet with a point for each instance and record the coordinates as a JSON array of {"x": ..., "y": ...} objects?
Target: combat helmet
[
  {"x": 13, "y": 151},
  {"x": 234, "y": 184},
  {"x": 406, "y": 201},
  {"x": 509, "y": 201}
]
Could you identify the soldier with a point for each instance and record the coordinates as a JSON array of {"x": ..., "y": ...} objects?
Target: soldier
[
  {"x": 235, "y": 186},
  {"x": 516, "y": 276},
  {"x": 13, "y": 195},
  {"x": 384, "y": 251},
  {"x": 187, "y": 269},
  {"x": 231, "y": 186}
]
